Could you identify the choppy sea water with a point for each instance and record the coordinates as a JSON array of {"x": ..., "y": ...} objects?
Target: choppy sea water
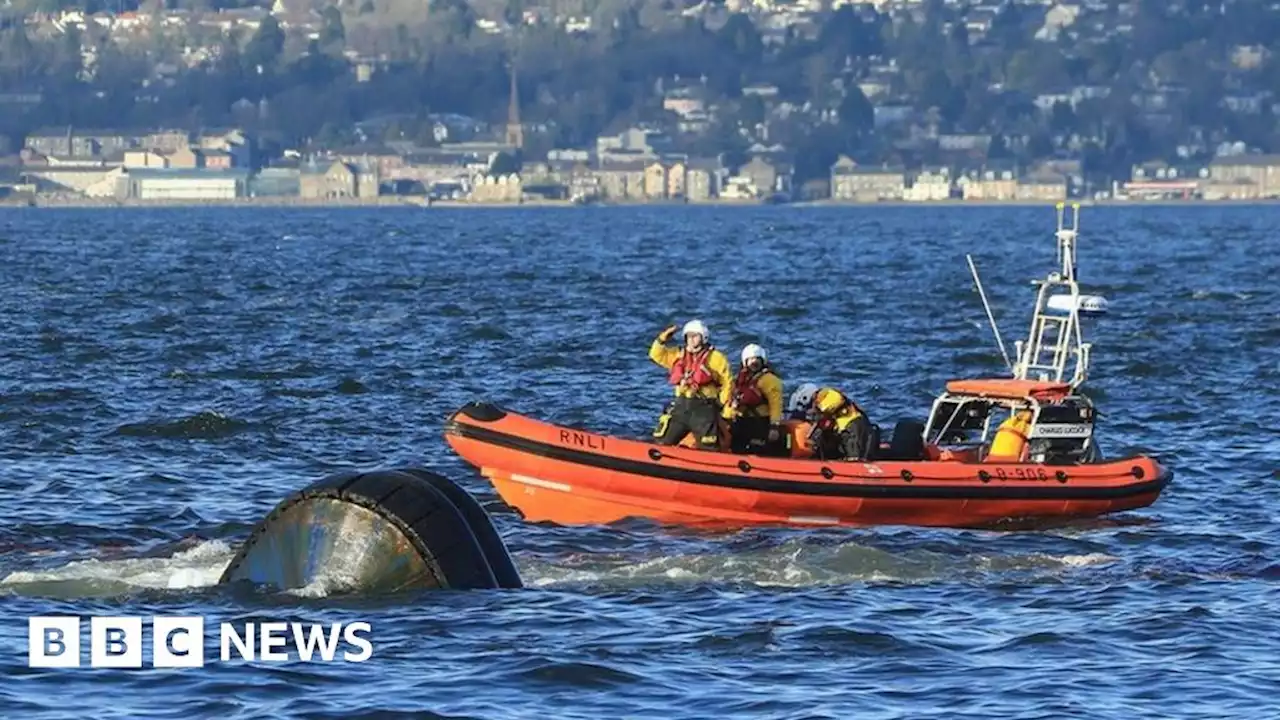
[{"x": 167, "y": 376}]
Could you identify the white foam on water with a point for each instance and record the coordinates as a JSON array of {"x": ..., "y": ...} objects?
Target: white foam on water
[
  {"x": 199, "y": 566},
  {"x": 795, "y": 566},
  {"x": 195, "y": 567},
  {"x": 1087, "y": 560}
]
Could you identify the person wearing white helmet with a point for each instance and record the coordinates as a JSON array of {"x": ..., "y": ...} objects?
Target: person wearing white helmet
[
  {"x": 703, "y": 384},
  {"x": 801, "y": 403},
  {"x": 755, "y": 409}
]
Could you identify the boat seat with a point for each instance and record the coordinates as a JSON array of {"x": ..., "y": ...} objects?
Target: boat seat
[
  {"x": 906, "y": 444},
  {"x": 874, "y": 450}
]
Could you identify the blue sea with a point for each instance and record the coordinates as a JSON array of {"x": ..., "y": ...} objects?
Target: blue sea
[{"x": 169, "y": 375}]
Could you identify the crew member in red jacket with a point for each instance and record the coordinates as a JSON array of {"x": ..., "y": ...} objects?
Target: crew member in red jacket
[
  {"x": 703, "y": 384},
  {"x": 756, "y": 408}
]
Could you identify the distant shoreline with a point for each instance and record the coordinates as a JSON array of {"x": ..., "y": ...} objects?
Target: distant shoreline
[
  {"x": 1082, "y": 202},
  {"x": 420, "y": 202}
]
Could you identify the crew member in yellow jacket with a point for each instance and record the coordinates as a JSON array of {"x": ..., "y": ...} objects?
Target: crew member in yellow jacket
[
  {"x": 703, "y": 384},
  {"x": 842, "y": 430},
  {"x": 755, "y": 409}
]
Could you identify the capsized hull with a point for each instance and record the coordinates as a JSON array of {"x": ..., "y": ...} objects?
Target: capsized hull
[{"x": 569, "y": 476}]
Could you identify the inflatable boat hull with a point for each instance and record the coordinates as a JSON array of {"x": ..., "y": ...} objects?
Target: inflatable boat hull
[{"x": 568, "y": 476}]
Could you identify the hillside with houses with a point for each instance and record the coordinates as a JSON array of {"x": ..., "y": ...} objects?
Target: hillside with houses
[{"x": 894, "y": 100}]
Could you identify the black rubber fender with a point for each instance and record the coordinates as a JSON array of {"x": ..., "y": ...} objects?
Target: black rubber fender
[
  {"x": 386, "y": 530},
  {"x": 491, "y": 544}
]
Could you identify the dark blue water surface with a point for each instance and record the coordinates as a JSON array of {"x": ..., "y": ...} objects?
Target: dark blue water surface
[{"x": 167, "y": 376}]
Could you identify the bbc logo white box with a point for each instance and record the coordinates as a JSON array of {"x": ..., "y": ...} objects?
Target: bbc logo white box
[
  {"x": 53, "y": 642},
  {"x": 115, "y": 642},
  {"x": 177, "y": 642}
]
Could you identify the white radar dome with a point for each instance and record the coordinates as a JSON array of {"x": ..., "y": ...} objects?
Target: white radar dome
[{"x": 1087, "y": 304}]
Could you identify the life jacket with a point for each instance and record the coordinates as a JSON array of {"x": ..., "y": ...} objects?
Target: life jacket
[
  {"x": 837, "y": 424},
  {"x": 746, "y": 390},
  {"x": 830, "y": 424},
  {"x": 692, "y": 369},
  {"x": 844, "y": 420},
  {"x": 841, "y": 417},
  {"x": 836, "y": 435}
]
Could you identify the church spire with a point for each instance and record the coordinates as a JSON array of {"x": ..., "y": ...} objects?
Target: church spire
[{"x": 515, "y": 131}]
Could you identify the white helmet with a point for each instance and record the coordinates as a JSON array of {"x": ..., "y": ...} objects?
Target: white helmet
[
  {"x": 753, "y": 351},
  {"x": 696, "y": 327},
  {"x": 802, "y": 398}
]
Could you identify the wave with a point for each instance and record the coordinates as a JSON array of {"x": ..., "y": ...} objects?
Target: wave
[
  {"x": 794, "y": 564},
  {"x": 206, "y": 425},
  {"x": 199, "y": 566}
]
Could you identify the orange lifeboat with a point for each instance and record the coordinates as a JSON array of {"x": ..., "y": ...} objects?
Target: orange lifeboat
[
  {"x": 927, "y": 476},
  {"x": 1040, "y": 464}
]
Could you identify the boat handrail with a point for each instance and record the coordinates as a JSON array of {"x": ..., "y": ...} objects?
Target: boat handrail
[{"x": 1058, "y": 335}]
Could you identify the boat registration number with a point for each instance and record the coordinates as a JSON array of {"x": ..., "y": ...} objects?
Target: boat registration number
[
  {"x": 1061, "y": 431},
  {"x": 1032, "y": 472}
]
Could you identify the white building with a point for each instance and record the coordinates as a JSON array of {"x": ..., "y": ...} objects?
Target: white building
[
  {"x": 181, "y": 184},
  {"x": 930, "y": 186}
]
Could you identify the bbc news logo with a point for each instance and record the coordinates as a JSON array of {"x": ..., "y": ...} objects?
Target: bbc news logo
[{"x": 179, "y": 642}]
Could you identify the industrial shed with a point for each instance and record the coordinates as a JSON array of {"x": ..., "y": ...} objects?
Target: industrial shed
[
  {"x": 182, "y": 184},
  {"x": 274, "y": 182}
]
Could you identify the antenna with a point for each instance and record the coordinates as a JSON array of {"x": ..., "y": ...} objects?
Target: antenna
[{"x": 987, "y": 306}]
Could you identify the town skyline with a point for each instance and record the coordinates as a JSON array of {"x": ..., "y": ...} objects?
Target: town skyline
[{"x": 1085, "y": 95}]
